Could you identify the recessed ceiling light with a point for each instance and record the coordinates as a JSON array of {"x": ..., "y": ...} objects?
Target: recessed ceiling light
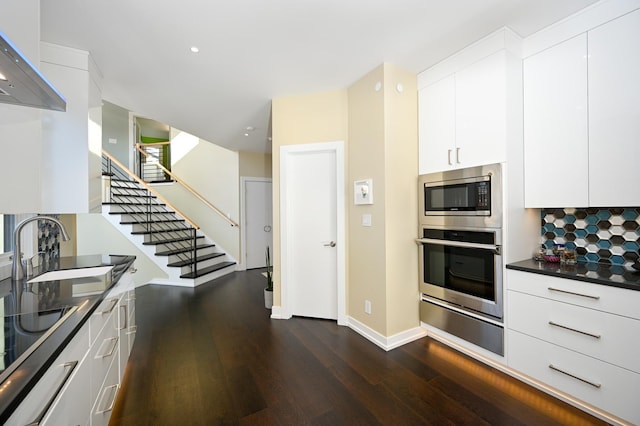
[
  {"x": 2, "y": 77},
  {"x": 249, "y": 128},
  {"x": 194, "y": 49}
]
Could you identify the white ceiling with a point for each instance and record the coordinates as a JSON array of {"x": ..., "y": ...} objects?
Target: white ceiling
[{"x": 254, "y": 50}]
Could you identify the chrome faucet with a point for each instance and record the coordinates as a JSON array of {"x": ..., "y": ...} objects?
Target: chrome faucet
[{"x": 17, "y": 269}]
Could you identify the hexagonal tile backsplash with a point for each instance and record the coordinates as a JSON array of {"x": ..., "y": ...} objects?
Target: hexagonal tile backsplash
[{"x": 610, "y": 236}]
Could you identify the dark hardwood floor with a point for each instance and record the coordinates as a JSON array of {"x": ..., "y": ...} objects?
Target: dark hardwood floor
[{"x": 212, "y": 355}]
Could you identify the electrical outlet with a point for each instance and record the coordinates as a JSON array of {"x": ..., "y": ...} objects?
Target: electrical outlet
[{"x": 367, "y": 307}]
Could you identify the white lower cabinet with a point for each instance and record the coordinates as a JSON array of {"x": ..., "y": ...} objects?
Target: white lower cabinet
[
  {"x": 101, "y": 411},
  {"x": 81, "y": 386},
  {"x": 579, "y": 338},
  {"x": 60, "y": 396},
  {"x": 603, "y": 385}
]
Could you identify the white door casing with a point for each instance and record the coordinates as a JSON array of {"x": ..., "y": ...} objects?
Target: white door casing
[
  {"x": 257, "y": 214},
  {"x": 312, "y": 232}
]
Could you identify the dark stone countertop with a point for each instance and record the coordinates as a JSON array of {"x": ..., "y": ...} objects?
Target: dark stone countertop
[
  {"x": 609, "y": 275},
  {"x": 31, "y": 309}
]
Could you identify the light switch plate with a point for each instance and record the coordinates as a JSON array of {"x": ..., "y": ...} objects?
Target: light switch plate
[{"x": 366, "y": 220}]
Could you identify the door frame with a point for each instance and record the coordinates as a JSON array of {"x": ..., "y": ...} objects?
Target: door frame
[
  {"x": 287, "y": 153},
  {"x": 243, "y": 205}
]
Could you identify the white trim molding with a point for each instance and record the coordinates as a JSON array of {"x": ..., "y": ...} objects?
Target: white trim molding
[
  {"x": 386, "y": 343},
  {"x": 286, "y": 152}
]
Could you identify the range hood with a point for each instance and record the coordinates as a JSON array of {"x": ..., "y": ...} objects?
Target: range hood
[{"x": 22, "y": 84}]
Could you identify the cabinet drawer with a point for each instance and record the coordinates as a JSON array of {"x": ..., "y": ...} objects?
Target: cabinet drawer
[
  {"x": 60, "y": 383},
  {"x": 595, "y": 382},
  {"x": 103, "y": 351},
  {"x": 102, "y": 314},
  {"x": 101, "y": 411},
  {"x": 594, "y": 333},
  {"x": 595, "y": 296}
]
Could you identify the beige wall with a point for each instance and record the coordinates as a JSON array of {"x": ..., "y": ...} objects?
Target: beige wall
[
  {"x": 305, "y": 119},
  {"x": 401, "y": 199},
  {"x": 367, "y": 265},
  {"x": 255, "y": 164},
  {"x": 380, "y": 131},
  {"x": 383, "y": 146}
]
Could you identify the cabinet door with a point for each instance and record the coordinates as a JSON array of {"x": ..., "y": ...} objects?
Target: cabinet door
[
  {"x": 437, "y": 126},
  {"x": 480, "y": 118},
  {"x": 555, "y": 126},
  {"x": 614, "y": 114}
]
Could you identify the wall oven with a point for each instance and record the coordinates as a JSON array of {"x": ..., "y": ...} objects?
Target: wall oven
[{"x": 460, "y": 254}]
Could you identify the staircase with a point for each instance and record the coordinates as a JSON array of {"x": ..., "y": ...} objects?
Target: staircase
[{"x": 168, "y": 238}]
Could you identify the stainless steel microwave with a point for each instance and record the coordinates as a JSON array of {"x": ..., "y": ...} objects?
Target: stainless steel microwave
[{"x": 469, "y": 197}]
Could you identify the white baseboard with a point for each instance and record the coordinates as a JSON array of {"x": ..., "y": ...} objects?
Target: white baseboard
[
  {"x": 277, "y": 313},
  {"x": 386, "y": 343}
]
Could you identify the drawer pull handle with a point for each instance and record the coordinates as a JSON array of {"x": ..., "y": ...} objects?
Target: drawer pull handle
[
  {"x": 114, "y": 392},
  {"x": 114, "y": 343},
  {"x": 574, "y": 293},
  {"x": 113, "y": 303},
  {"x": 586, "y": 333},
  {"x": 595, "y": 385},
  {"x": 123, "y": 310},
  {"x": 69, "y": 366},
  {"x": 132, "y": 329}
]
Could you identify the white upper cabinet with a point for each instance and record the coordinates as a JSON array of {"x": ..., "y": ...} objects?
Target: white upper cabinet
[
  {"x": 481, "y": 112},
  {"x": 437, "y": 125},
  {"x": 614, "y": 112},
  {"x": 463, "y": 105},
  {"x": 581, "y": 114},
  {"x": 556, "y": 142},
  {"x": 462, "y": 117}
]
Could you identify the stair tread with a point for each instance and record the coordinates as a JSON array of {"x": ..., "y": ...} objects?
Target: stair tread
[
  {"x": 117, "y": 203},
  {"x": 133, "y": 222},
  {"x": 183, "y": 250},
  {"x": 133, "y": 195},
  {"x": 172, "y": 240},
  {"x": 160, "y": 231},
  {"x": 200, "y": 259},
  {"x": 208, "y": 270}
]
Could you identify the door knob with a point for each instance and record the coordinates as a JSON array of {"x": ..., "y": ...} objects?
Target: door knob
[
  {"x": 266, "y": 228},
  {"x": 330, "y": 244}
]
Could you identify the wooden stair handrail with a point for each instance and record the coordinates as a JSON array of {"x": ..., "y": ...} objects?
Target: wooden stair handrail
[
  {"x": 149, "y": 188},
  {"x": 191, "y": 190}
]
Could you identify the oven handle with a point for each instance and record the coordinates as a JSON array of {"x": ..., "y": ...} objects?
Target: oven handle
[{"x": 495, "y": 248}]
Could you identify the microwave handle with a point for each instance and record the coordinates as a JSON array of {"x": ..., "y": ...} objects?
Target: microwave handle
[{"x": 495, "y": 248}]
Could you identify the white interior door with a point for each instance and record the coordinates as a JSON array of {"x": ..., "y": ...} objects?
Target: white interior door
[
  {"x": 258, "y": 221},
  {"x": 312, "y": 256}
]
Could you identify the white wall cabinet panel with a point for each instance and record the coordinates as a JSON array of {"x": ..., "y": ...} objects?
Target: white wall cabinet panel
[
  {"x": 71, "y": 140},
  {"x": 556, "y": 140},
  {"x": 436, "y": 124},
  {"x": 481, "y": 112},
  {"x": 614, "y": 113}
]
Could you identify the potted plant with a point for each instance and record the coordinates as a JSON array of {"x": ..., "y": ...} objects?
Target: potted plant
[{"x": 268, "y": 291}]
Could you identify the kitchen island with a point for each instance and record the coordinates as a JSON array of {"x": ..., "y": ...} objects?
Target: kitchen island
[{"x": 43, "y": 320}]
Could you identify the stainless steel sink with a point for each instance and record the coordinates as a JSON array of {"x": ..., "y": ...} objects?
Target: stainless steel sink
[{"x": 67, "y": 274}]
